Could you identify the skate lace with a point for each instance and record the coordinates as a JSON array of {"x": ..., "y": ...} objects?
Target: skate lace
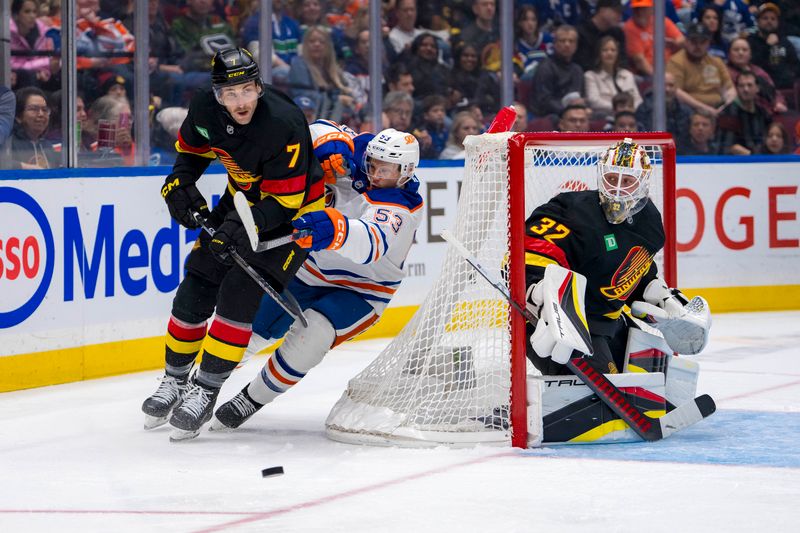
[
  {"x": 243, "y": 405},
  {"x": 168, "y": 390},
  {"x": 196, "y": 400}
]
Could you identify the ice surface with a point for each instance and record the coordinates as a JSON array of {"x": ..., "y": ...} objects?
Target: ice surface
[{"x": 75, "y": 458}]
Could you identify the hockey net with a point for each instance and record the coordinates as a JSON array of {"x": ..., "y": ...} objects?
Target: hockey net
[{"x": 455, "y": 375}]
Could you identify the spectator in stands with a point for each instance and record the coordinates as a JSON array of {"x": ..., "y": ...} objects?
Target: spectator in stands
[
  {"x": 8, "y": 104},
  {"x": 316, "y": 74},
  {"x": 604, "y": 23},
  {"x": 620, "y": 102},
  {"x": 772, "y": 50},
  {"x": 164, "y": 133},
  {"x": 28, "y": 36},
  {"x": 433, "y": 126},
  {"x": 521, "y": 124},
  {"x": 54, "y": 133},
  {"x": 484, "y": 29},
  {"x": 736, "y": 17},
  {"x": 399, "y": 109},
  {"x": 709, "y": 17},
  {"x": 677, "y": 112},
  {"x": 464, "y": 124},
  {"x": 639, "y": 38},
  {"x": 358, "y": 63},
  {"x": 468, "y": 80},
  {"x": 777, "y": 141},
  {"x": 286, "y": 37},
  {"x": 308, "y": 106},
  {"x": 398, "y": 78},
  {"x": 574, "y": 118},
  {"x": 309, "y": 14},
  {"x": 532, "y": 45},
  {"x": 166, "y": 74},
  {"x": 405, "y": 31},
  {"x": 554, "y": 13},
  {"x": 739, "y": 60},
  {"x": 108, "y": 133},
  {"x": 702, "y": 133},
  {"x": 430, "y": 76},
  {"x": 608, "y": 78},
  {"x": 29, "y": 148},
  {"x": 743, "y": 123},
  {"x": 702, "y": 80},
  {"x": 558, "y": 75},
  {"x": 201, "y": 34},
  {"x": 624, "y": 121}
]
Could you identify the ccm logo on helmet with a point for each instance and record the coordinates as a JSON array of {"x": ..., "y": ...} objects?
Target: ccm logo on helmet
[{"x": 27, "y": 256}]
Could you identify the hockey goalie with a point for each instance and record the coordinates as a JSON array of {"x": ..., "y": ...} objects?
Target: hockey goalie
[{"x": 589, "y": 255}]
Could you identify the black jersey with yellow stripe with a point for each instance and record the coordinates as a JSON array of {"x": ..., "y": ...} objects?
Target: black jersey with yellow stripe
[
  {"x": 270, "y": 160},
  {"x": 617, "y": 259}
]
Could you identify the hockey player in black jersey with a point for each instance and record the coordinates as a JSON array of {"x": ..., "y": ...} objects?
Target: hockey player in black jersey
[
  {"x": 610, "y": 236},
  {"x": 262, "y": 139}
]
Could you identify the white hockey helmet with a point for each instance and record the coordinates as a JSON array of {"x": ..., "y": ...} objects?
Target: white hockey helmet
[
  {"x": 393, "y": 146},
  {"x": 623, "y": 180}
]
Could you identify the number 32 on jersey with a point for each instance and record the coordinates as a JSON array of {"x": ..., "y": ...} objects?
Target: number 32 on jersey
[{"x": 549, "y": 229}]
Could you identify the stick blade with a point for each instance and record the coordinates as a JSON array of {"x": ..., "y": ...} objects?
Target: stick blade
[{"x": 686, "y": 415}]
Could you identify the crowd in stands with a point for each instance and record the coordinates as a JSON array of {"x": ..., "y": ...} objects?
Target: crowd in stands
[{"x": 579, "y": 65}]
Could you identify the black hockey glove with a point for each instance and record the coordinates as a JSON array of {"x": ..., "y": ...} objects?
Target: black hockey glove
[
  {"x": 182, "y": 200},
  {"x": 229, "y": 235}
]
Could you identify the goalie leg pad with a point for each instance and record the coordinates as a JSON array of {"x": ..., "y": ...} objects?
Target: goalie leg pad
[
  {"x": 681, "y": 385},
  {"x": 302, "y": 349}
]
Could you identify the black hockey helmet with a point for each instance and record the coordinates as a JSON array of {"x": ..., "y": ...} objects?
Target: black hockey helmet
[{"x": 233, "y": 66}]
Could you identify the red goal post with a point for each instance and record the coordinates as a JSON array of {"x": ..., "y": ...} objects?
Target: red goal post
[{"x": 456, "y": 373}]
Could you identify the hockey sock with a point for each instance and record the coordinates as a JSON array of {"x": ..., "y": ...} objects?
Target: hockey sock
[
  {"x": 223, "y": 348},
  {"x": 183, "y": 341},
  {"x": 275, "y": 378}
]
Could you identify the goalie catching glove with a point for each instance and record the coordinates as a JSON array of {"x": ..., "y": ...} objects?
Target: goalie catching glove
[
  {"x": 328, "y": 229},
  {"x": 558, "y": 302},
  {"x": 683, "y": 323}
]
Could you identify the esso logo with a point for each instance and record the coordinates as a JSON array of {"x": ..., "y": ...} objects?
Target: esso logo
[{"x": 27, "y": 256}]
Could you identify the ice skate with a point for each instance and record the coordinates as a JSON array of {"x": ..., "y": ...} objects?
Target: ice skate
[
  {"x": 234, "y": 412},
  {"x": 195, "y": 410},
  {"x": 158, "y": 407}
]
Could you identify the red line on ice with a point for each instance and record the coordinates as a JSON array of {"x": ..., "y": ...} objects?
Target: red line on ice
[
  {"x": 354, "y": 492},
  {"x": 759, "y": 391}
]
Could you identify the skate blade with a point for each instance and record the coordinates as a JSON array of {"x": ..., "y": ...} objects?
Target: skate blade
[
  {"x": 152, "y": 422},
  {"x": 180, "y": 435},
  {"x": 218, "y": 426}
]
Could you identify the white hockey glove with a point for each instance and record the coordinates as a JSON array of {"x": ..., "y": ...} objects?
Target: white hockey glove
[
  {"x": 562, "y": 324},
  {"x": 684, "y": 324}
]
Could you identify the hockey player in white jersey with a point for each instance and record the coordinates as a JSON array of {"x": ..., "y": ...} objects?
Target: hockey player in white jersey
[{"x": 359, "y": 243}]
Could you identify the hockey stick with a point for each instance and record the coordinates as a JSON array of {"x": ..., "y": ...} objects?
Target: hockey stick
[
  {"x": 647, "y": 428},
  {"x": 285, "y": 300},
  {"x": 243, "y": 208}
]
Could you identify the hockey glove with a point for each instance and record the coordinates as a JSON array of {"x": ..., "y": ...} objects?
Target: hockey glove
[
  {"x": 328, "y": 229},
  {"x": 182, "y": 200},
  {"x": 230, "y": 235},
  {"x": 335, "y": 167},
  {"x": 684, "y": 323},
  {"x": 562, "y": 327}
]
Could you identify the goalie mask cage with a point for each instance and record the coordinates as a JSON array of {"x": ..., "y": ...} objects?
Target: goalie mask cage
[{"x": 456, "y": 374}]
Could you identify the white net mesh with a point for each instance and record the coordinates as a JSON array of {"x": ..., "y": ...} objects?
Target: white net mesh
[{"x": 445, "y": 378}]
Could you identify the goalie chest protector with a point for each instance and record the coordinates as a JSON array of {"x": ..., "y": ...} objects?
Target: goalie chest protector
[{"x": 617, "y": 259}]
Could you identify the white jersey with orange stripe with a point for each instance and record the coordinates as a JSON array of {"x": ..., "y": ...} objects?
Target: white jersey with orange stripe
[{"x": 382, "y": 224}]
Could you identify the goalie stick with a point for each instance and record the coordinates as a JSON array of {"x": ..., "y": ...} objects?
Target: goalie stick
[
  {"x": 243, "y": 209},
  {"x": 285, "y": 300},
  {"x": 649, "y": 429}
]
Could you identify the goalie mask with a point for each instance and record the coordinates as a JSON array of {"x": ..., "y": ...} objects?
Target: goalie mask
[
  {"x": 623, "y": 180},
  {"x": 391, "y": 158}
]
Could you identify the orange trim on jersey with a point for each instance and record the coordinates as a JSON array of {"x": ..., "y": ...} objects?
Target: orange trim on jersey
[
  {"x": 401, "y": 206},
  {"x": 364, "y": 325},
  {"x": 367, "y": 286},
  {"x": 547, "y": 248},
  {"x": 377, "y": 241},
  {"x": 335, "y": 136},
  {"x": 277, "y": 375}
]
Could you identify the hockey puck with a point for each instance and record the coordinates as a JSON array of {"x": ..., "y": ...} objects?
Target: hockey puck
[{"x": 273, "y": 471}]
